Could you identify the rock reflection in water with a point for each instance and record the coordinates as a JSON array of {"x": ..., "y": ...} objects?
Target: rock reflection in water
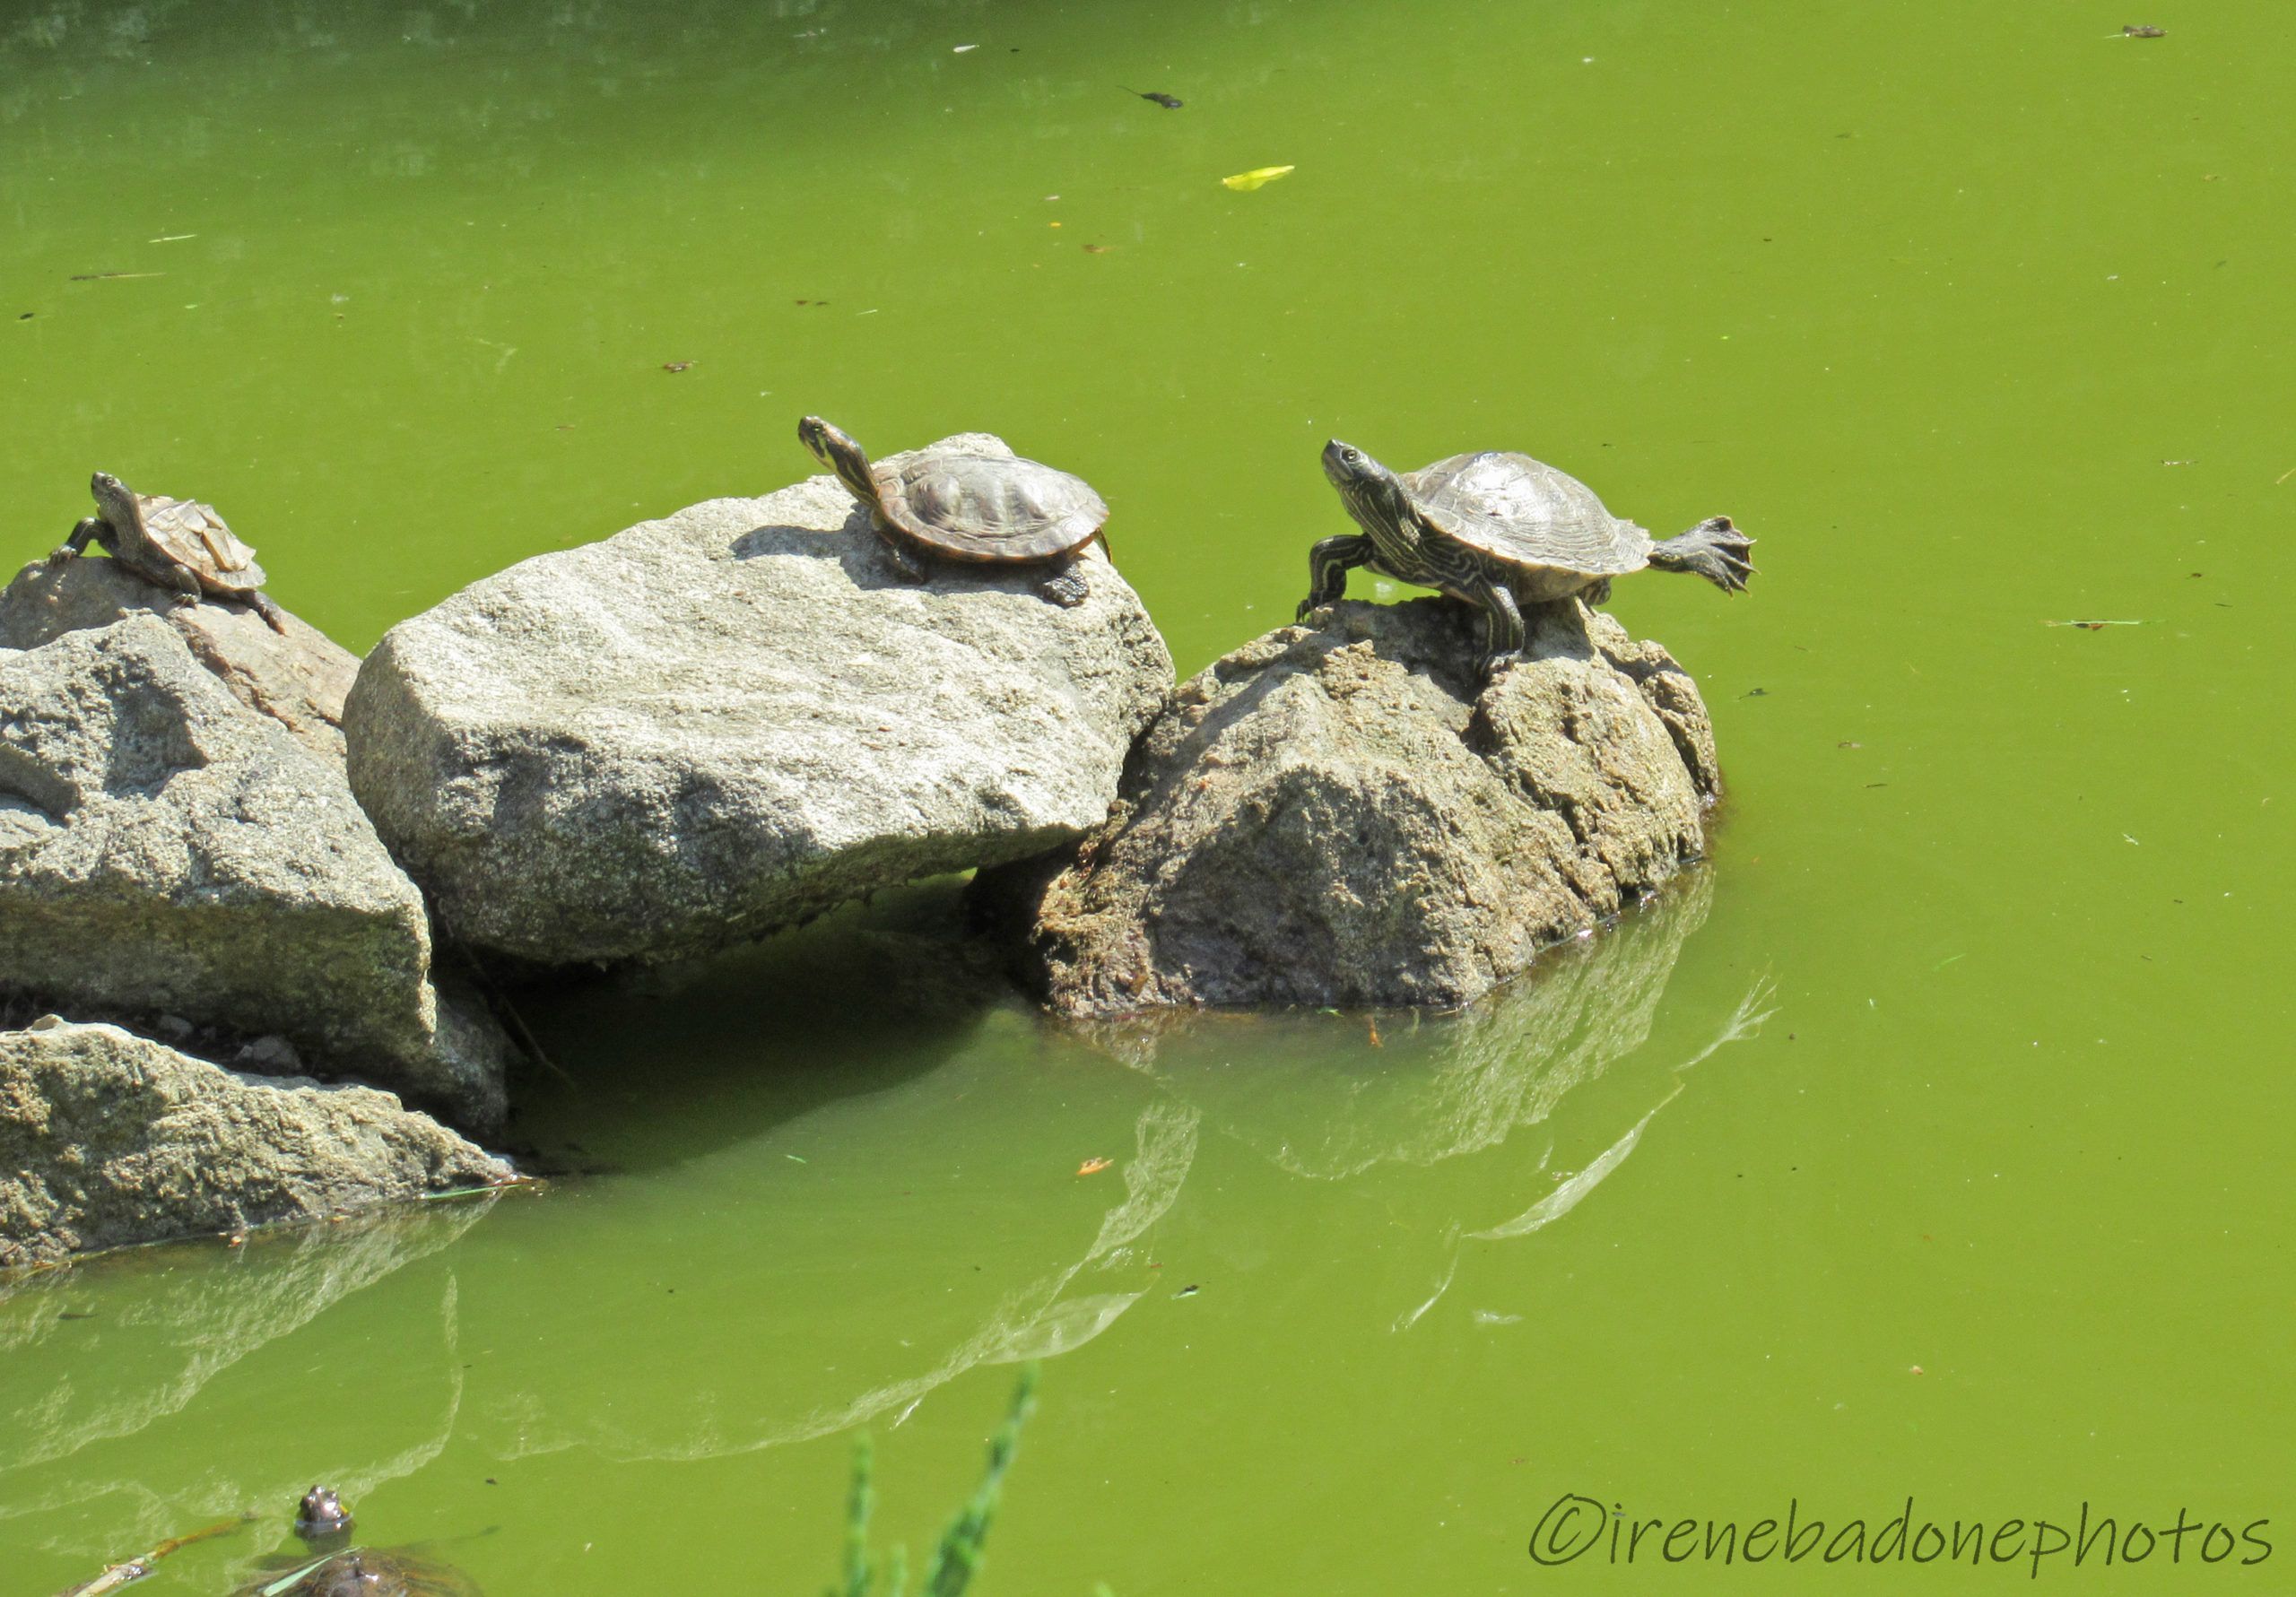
[
  {"x": 1316, "y": 1103},
  {"x": 77, "y": 1395}
]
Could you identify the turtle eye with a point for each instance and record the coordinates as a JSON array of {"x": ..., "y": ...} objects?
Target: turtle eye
[{"x": 1349, "y": 456}]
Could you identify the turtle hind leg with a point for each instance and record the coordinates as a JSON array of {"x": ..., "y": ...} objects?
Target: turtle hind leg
[
  {"x": 1064, "y": 584},
  {"x": 1714, "y": 549},
  {"x": 267, "y": 607},
  {"x": 92, "y": 530}
]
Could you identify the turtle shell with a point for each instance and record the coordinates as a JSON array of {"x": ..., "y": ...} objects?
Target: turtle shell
[
  {"x": 193, "y": 535},
  {"x": 369, "y": 1572},
  {"x": 974, "y": 507},
  {"x": 1525, "y": 512}
]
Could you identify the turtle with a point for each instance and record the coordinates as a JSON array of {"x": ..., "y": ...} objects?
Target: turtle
[
  {"x": 172, "y": 544},
  {"x": 328, "y": 1566},
  {"x": 1500, "y": 530},
  {"x": 951, "y": 501}
]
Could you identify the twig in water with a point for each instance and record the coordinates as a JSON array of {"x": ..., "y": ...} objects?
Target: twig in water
[{"x": 136, "y": 1568}]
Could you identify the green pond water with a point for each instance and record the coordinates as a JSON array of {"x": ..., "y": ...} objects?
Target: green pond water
[{"x": 1979, "y": 317}]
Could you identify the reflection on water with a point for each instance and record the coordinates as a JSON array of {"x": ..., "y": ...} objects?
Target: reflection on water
[
  {"x": 816, "y": 1217},
  {"x": 731, "y": 1409},
  {"x": 1318, "y": 1105},
  {"x": 100, "y": 1365}
]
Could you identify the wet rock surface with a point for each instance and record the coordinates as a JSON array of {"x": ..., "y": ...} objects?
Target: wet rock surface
[
  {"x": 169, "y": 857},
  {"x": 108, "y": 1139},
  {"x": 729, "y": 720},
  {"x": 1341, "y": 813}
]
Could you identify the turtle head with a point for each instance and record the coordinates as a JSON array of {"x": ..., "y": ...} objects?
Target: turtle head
[
  {"x": 837, "y": 450},
  {"x": 114, "y": 498},
  {"x": 321, "y": 1517},
  {"x": 1370, "y": 489}
]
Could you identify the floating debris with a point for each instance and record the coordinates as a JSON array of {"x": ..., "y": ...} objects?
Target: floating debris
[
  {"x": 677, "y": 366},
  {"x": 961, "y": 49},
  {"x": 2143, "y": 31},
  {"x": 1190, "y": 1290},
  {"x": 2176, "y": 462},
  {"x": 1094, "y": 1166},
  {"x": 1097, "y": 248},
  {"x": 1170, "y": 102},
  {"x": 2092, "y": 626},
  {"x": 1257, "y": 177},
  {"x": 111, "y": 276},
  {"x": 171, "y": 238}
]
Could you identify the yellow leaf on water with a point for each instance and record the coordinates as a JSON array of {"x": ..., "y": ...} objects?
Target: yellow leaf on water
[{"x": 1245, "y": 182}]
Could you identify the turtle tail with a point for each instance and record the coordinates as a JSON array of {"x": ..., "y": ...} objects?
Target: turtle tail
[{"x": 1714, "y": 549}]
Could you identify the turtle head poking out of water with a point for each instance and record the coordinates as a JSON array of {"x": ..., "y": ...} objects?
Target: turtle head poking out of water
[
  {"x": 322, "y": 1520},
  {"x": 326, "y": 1567}
]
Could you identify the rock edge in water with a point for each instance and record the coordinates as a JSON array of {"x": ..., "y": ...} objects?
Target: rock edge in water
[
  {"x": 1339, "y": 813},
  {"x": 712, "y": 725},
  {"x": 109, "y": 1139}
]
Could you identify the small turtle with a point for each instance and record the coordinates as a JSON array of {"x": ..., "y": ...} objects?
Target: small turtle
[
  {"x": 1500, "y": 530},
  {"x": 328, "y": 1566},
  {"x": 990, "y": 508},
  {"x": 172, "y": 544}
]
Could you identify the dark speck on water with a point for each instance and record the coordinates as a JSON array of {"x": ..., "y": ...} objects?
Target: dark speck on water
[{"x": 1170, "y": 102}]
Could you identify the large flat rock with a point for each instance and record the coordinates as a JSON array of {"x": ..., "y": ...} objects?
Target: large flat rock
[
  {"x": 727, "y": 721},
  {"x": 108, "y": 1139},
  {"x": 1343, "y": 814},
  {"x": 299, "y": 679},
  {"x": 167, "y": 851}
]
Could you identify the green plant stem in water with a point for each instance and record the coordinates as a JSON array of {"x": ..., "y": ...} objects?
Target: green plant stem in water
[{"x": 958, "y": 1557}]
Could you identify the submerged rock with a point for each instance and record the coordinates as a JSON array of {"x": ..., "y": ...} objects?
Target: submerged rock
[
  {"x": 166, "y": 852},
  {"x": 106, "y": 1139},
  {"x": 298, "y": 679},
  {"x": 1336, "y": 814},
  {"x": 712, "y": 725}
]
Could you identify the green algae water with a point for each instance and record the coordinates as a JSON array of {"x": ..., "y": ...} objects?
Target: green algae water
[{"x": 1927, "y": 1145}]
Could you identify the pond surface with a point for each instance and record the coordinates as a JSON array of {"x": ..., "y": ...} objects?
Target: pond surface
[{"x": 1930, "y": 1143}]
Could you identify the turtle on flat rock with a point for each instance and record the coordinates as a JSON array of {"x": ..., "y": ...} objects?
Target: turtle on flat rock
[
  {"x": 331, "y": 1567},
  {"x": 172, "y": 544},
  {"x": 1500, "y": 530},
  {"x": 990, "y": 509}
]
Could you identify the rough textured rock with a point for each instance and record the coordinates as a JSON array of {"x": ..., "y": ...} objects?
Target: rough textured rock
[
  {"x": 107, "y": 1138},
  {"x": 711, "y": 725},
  {"x": 166, "y": 852},
  {"x": 298, "y": 680},
  {"x": 1337, "y": 815}
]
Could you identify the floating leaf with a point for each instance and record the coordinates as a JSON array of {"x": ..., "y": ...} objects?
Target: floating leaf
[
  {"x": 1259, "y": 176},
  {"x": 1094, "y": 1166}
]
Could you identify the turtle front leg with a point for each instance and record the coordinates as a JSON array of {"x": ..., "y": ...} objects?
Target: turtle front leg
[
  {"x": 92, "y": 529},
  {"x": 1064, "y": 584},
  {"x": 1329, "y": 564},
  {"x": 1502, "y": 625},
  {"x": 906, "y": 560}
]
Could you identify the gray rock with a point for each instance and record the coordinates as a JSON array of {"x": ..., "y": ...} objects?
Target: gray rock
[
  {"x": 1336, "y": 815},
  {"x": 164, "y": 851},
  {"x": 299, "y": 679},
  {"x": 712, "y": 725},
  {"x": 106, "y": 1139}
]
